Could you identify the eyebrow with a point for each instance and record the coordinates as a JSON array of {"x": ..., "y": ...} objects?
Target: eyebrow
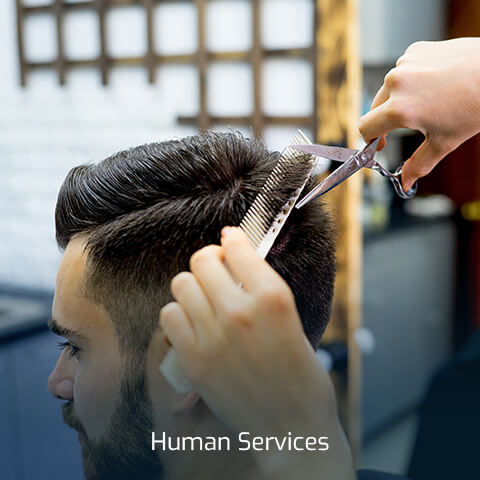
[{"x": 63, "y": 331}]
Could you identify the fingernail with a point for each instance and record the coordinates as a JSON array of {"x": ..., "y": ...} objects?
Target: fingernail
[{"x": 227, "y": 231}]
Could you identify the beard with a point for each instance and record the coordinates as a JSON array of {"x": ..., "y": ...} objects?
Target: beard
[{"x": 124, "y": 452}]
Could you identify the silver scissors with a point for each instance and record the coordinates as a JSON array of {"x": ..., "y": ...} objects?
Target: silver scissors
[{"x": 353, "y": 161}]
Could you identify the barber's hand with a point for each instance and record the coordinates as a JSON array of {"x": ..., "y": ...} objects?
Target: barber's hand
[
  {"x": 245, "y": 351},
  {"x": 435, "y": 89}
]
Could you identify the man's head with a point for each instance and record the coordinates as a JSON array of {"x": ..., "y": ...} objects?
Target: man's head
[{"x": 128, "y": 225}]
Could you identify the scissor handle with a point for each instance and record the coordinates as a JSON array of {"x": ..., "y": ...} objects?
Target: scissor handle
[{"x": 396, "y": 180}]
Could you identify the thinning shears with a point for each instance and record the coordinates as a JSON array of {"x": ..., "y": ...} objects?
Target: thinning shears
[{"x": 353, "y": 161}]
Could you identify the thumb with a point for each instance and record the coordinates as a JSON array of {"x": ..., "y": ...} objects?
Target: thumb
[{"x": 421, "y": 163}]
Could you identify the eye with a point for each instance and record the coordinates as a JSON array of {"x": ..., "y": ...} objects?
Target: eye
[{"x": 71, "y": 349}]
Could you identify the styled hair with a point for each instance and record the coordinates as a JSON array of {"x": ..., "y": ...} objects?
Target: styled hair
[{"x": 146, "y": 210}]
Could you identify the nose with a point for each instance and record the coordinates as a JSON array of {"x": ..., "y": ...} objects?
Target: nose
[{"x": 60, "y": 382}]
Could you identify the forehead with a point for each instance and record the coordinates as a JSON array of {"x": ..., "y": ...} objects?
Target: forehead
[{"x": 71, "y": 308}]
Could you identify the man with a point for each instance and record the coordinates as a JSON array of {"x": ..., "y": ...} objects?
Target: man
[{"x": 128, "y": 225}]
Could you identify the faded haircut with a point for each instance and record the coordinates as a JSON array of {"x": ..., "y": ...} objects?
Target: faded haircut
[{"x": 146, "y": 210}]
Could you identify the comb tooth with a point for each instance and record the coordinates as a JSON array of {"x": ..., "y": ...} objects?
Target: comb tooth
[
  {"x": 250, "y": 224},
  {"x": 258, "y": 234},
  {"x": 258, "y": 210},
  {"x": 252, "y": 238},
  {"x": 249, "y": 227},
  {"x": 261, "y": 204},
  {"x": 257, "y": 237},
  {"x": 262, "y": 208},
  {"x": 304, "y": 137},
  {"x": 255, "y": 242},
  {"x": 258, "y": 223}
]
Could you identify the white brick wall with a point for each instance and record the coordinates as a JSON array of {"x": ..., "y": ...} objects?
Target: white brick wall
[{"x": 41, "y": 138}]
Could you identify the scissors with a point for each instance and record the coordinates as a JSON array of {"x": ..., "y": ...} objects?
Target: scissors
[{"x": 353, "y": 161}]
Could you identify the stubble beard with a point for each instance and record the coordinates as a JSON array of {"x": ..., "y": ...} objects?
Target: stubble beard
[{"x": 124, "y": 451}]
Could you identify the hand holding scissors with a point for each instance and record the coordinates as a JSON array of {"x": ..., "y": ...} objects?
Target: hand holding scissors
[
  {"x": 353, "y": 161},
  {"x": 433, "y": 89}
]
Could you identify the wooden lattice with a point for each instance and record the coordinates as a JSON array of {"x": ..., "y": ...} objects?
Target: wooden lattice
[{"x": 201, "y": 59}]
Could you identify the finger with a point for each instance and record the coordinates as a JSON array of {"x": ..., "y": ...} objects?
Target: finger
[
  {"x": 401, "y": 60},
  {"x": 420, "y": 163},
  {"x": 213, "y": 276},
  {"x": 382, "y": 142},
  {"x": 380, "y": 121},
  {"x": 177, "y": 327},
  {"x": 244, "y": 261},
  {"x": 190, "y": 295},
  {"x": 381, "y": 97}
]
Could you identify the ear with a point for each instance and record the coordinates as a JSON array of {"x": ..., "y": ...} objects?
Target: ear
[{"x": 182, "y": 403}]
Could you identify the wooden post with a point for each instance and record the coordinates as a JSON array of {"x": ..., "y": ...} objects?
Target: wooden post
[
  {"x": 60, "y": 62},
  {"x": 337, "y": 100},
  {"x": 256, "y": 59},
  {"x": 20, "y": 44},
  {"x": 202, "y": 64},
  {"x": 102, "y": 59},
  {"x": 150, "y": 62}
]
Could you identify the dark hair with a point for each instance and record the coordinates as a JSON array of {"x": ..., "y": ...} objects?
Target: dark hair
[{"x": 146, "y": 210}]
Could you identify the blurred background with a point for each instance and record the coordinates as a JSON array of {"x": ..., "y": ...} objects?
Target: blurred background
[{"x": 82, "y": 79}]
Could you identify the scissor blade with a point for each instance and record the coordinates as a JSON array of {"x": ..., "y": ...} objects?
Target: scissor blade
[
  {"x": 351, "y": 166},
  {"x": 338, "y": 154},
  {"x": 370, "y": 150}
]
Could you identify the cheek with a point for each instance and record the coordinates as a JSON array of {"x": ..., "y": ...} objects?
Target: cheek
[{"x": 96, "y": 391}]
